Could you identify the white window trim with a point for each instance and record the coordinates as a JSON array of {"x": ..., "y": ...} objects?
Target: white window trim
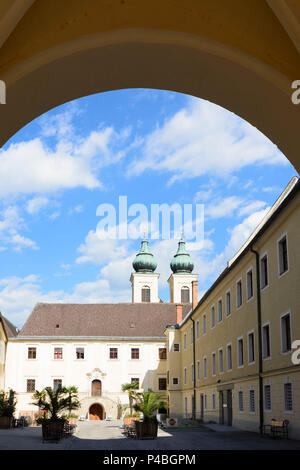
[
  {"x": 198, "y": 370},
  {"x": 229, "y": 344},
  {"x": 288, "y": 381},
  {"x": 184, "y": 376},
  {"x": 175, "y": 385},
  {"x": 192, "y": 373},
  {"x": 270, "y": 385},
  {"x": 238, "y": 366},
  {"x": 227, "y": 292},
  {"x": 236, "y": 293},
  {"x": 213, "y": 374},
  {"x": 285, "y": 234},
  {"x": 213, "y": 401},
  {"x": 248, "y": 344},
  {"x": 197, "y": 329},
  {"x": 248, "y": 299},
  {"x": 174, "y": 346},
  {"x": 262, "y": 340},
  {"x": 220, "y": 372},
  {"x": 205, "y": 368},
  {"x": 220, "y": 299},
  {"x": 285, "y": 353},
  {"x": 252, "y": 412},
  {"x": 211, "y": 309},
  {"x": 262, "y": 289},
  {"x": 238, "y": 397},
  {"x": 184, "y": 341},
  {"x": 204, "y": 316}
]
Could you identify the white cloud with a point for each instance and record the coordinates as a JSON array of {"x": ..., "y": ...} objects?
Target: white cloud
[
  {"x": 36, "y": 204},
  {"x": 100, "y": 251},
  {"x": 9, "y": 225},
  {"x": 20, "y": 242},
  {"x": 224, "y": 207},
  {"x": 204, "y": 139},
  {"x": 75, "y": 210}
]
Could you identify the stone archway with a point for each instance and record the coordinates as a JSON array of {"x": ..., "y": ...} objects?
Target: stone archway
[
  {"x": 96, "y": 412},
  {"x": 243, "y": 56}
]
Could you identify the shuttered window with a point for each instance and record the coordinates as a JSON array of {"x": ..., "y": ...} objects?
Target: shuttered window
[
  {"x": 288, "y": 397},
  {"x": 267, "y": 397}
]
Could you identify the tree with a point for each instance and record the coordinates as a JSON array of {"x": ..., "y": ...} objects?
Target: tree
[
  {"x": 149, "y": 403},
  {"x": 130, "y": 388},
  {"x": 54, "y": 402},
  {"x": 7, "y": 404}
]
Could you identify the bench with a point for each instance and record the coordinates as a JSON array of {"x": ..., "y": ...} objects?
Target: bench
[{"x": 277, "y": 428}]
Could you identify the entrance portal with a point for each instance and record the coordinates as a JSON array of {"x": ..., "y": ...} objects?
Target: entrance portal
[{"x": 96, "y": 412}]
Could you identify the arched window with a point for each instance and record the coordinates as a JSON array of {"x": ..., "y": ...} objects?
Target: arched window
[
  {"x": 185, "y": 295},
  {"x": 146, "y": 294},
  {"x": 96, "y": 388}
]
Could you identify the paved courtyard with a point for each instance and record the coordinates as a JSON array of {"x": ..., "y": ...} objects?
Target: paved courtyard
[{"x": 107, "y": 435}]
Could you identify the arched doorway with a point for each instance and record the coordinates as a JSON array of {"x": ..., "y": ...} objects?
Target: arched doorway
[
  {"x": 96, "y": 412},
  {"x": 96, "y": 388}
]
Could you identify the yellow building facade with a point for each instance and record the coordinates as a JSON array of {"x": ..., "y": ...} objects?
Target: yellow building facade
[{"x": 219, "y": 369}]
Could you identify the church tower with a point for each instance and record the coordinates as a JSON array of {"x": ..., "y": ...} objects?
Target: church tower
[
  {"x": 144, "y": 280},
  {"x": 181, "y": 280}
]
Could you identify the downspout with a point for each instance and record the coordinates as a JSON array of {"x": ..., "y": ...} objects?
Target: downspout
[
  {"x": 260, "y": 360},
  {"x": 194, "y": 369}
]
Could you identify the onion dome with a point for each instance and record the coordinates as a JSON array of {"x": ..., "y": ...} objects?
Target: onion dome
[
  {"x": 182, "y": 262},
  {"x": 144, "y": 261}
]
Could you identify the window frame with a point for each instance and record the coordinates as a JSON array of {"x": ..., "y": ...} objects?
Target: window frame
[
  {"x": 227, "y": 356},
  {"x": 239, "y": 282},
  {"x": 226, "y": 303},
  {"x": 283, "y": 235},
  {"x": 282, "y": 316},
  {"x": 266, "y": 358},
  {"x": 248, "y": 344},
  {"x": 250, "y": 270},
  {"x": 262, "y": 257},
  {"x": 240, "y": 366}
]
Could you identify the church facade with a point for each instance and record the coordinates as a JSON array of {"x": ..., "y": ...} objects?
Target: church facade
[{"x": 99, "y": 347}]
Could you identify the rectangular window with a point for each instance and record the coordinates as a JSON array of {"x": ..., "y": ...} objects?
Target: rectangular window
[
  {"x": 175, "y": 381},
  {"x": 185, "y": 406},
  {"x": 113, "y": 353},
  {"x": 267, "y": 397},
  {"x": 264, "y": 272},
  {"x": 58, "y": 353},
  {"x": 249, "y": 284},
  {"x": 286, "y": 342},
  {"x": 135, "y": 380},
  {"x": 213, "y": 316},
  {"x": 185, "y": 295},
  {"x": 213, "y": 363},
  {"x": 213, "y": 401},
  {"x": 205, "y": 401},
  {"x": 135, "y": 353},
  {"x": 221, "y": 367},
  {"x": 241, "y": 401},
  {"x": 204, "y": 367},
  {"x": 197, "y": 329},
  {"x": 229, "y": 357},
  {"x": 251, "y": 357},
  {"x": 184, "y": 376},
  {"x": 204, "y": 324},
  {"x": 240, "y": 352},
  {"x": 192, "y": 335},
  {"x": 57, "y": 383},
  {"x": 162, "y": 383},
  {"x": 220, "y": 311},
  {"x": 145, "y": 294},
  {"x": 288, "y": 397},
  {"x": 192, "y": 372},
  {"x": 162, "y": 353},
  {"x": 198, "y": 370},
  {"x": 30, "y": 385},
  {"x": 266, "y": 349},
  {"x": 79, "y": 353},
  {"x": 283, "y": 256},
  {"x": 239, "y": 294},
  {"x": 252, "y": 401},
  {"x": 228, "y": 304},
  {"x": 31, "y": 353},
  {"x": 176, "y": 347},
  {"x": 184, "y": 341}
]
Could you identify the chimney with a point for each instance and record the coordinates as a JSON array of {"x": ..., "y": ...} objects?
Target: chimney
[
  {"x": 194, "y": 294},
  {"x": 178, "y": 313}
]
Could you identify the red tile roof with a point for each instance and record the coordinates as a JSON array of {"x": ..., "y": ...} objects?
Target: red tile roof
[{"x": 110, "y": 320}]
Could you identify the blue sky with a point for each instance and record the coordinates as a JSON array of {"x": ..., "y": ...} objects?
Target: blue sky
[{"x": 152, "y": 146}]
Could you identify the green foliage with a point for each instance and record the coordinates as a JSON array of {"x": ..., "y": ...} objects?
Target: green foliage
[
  {"x": 149, "y": 403},
  {"x": 53, "y": 403},
  {"x": 130, "y": 388},
  {"x": 7, "y": 403}
]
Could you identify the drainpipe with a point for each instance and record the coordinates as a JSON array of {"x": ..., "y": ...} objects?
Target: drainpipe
[{"x": 260, "y": 361}]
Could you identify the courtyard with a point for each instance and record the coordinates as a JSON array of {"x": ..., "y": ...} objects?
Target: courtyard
[{"x": 107, "y": 435}]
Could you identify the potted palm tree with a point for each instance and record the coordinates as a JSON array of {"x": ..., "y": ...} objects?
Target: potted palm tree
[
  {"x": 52, "y": 403},
  {"x": 148, "y": 403},
  {"x": 7, "y": 409},
  {"x": 130, "y": 388}
]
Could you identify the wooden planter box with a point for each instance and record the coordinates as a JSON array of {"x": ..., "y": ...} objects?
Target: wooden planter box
[
  {"x": 53, "y": 430},
  {"x": 146, "y": 429},
  {"x": 5, "y": 422}
]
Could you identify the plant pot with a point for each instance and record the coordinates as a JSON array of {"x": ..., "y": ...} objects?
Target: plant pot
[
  {"x": 129, "y": 420},
  {"x": 5, "y": 422},
  {"x": 146, "y": 429},
  {"x": 52, "y": 430}
]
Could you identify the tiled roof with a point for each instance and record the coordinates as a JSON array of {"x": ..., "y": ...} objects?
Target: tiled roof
[
  {"x": 10, "y": 329},
  {"x": 109, "y": 320}
]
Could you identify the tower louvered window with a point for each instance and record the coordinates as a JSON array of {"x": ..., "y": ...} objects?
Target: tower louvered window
[{"x": 146, "y": 294}]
